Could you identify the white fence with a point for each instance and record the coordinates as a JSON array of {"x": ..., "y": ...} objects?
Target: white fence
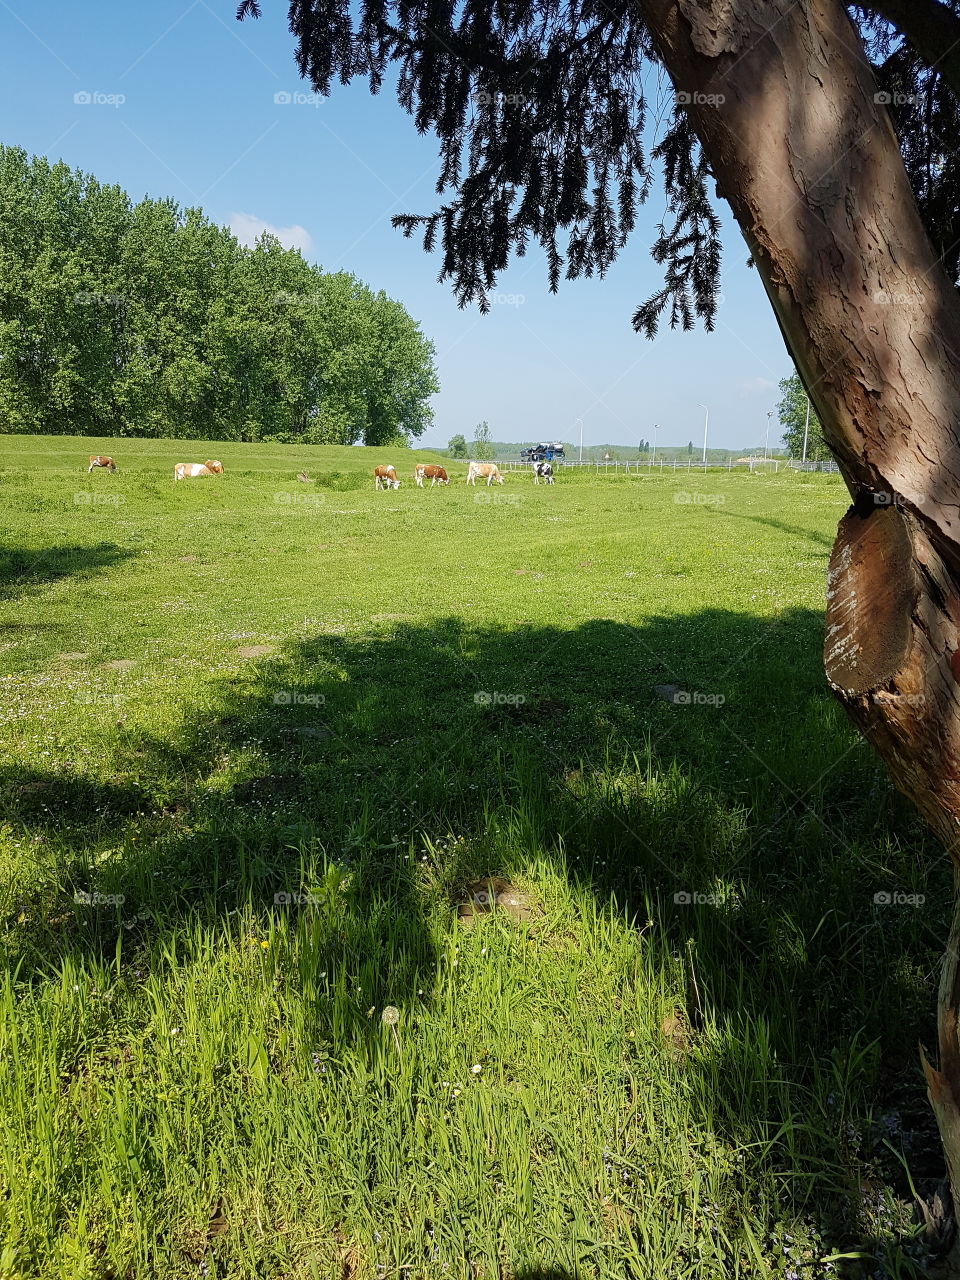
[{"x": 662, "y": 465}]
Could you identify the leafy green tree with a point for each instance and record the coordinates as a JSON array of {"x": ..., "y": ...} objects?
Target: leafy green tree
[
  {"x": 482, "y": 448},
  {"x": 792, "y": 410},
  {"x": 144, "y": 319},
  {"x": 457, "y": 447}
]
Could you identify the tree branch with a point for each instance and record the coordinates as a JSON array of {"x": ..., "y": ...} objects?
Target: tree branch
[{"x": 931, "y": 27}]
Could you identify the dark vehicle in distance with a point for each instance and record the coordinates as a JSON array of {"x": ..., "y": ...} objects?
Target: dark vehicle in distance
[{"x": 542, "y": 453}]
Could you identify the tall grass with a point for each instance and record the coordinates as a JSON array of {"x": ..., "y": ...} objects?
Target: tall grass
[{"x": 291, "y": 737}]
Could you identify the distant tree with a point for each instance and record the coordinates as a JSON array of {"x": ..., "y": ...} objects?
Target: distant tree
[
  {"x": 690, "y": 449},
  {"x": 793, "y": 418},
  {"x": 396, "y": 440},
  {"x": 147, "y": 320},
  {"x": 457, "y": 447},
  {"x": 482, "y": 449}
]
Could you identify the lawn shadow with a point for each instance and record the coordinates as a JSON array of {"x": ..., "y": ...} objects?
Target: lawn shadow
[
  {"x": 693, "y": 770},
  {"x": 793, "y": 530},
  {"x": 22, "y": 570}
]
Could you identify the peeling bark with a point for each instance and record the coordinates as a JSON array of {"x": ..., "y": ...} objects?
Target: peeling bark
[
  {"x": 784, "y": 103},
  {"x": 893, "y": 629}
]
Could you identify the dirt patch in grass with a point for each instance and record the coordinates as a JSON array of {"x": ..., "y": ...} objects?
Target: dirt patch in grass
[{"x": 495, "y": 894}]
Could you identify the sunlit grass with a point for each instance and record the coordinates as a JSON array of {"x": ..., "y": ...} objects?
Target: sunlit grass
[{"x": 694, "y": 1053}]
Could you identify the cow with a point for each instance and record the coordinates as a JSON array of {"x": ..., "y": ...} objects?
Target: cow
[
  {"x": 542, "y": 471},
  {"x": 385, "y": 478},
  {"x": 101, "y": 460},
  {"x": 427, "y": 471},
  {"x": 188, "y": 470},
  {"x": 490, "y": 470}
]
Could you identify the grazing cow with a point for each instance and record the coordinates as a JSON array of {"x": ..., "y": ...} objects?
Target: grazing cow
[
  {"x": 187, "y": 470},
  {"x": 101, "y": 460},
  {"x": 490, "y": 470},
  {"x": 542, "y": 471},
  {"x": 385, "y": 478},
  {"x": 427, "y": 471}
]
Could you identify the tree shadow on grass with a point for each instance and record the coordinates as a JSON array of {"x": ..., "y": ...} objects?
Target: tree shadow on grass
[
  {"x": 794, "y": 531},
  {"x": 22, "y": 570},
  {"x": 694, "y": 770}
]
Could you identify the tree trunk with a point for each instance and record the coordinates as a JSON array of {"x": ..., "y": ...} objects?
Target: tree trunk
[{"x": 784, "y": 103}]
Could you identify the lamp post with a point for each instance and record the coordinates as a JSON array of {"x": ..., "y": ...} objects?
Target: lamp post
[
  {"x": 580, "y": 421},
  {"x": 706, "y": 424},
  {"x": 656, "y": 428},
  {"x": 766, "y": 438},
  {"x": 806, "y": 432}
]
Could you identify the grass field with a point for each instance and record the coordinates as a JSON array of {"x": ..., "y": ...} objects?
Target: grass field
[{"x": 685, "y": 1046}]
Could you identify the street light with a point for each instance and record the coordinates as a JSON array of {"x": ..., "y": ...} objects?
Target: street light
[
  {"x": 806, "y": 432},
  {"x": 656, "y": 428},
  {"x": 580, "y": 421},
  {"x": 766, "y": 439},
  {"x": 706, "y": 424}
]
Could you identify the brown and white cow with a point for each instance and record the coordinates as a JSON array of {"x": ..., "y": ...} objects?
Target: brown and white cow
[
  {"x": 187, "y": 470},
  {"x": 490, "y": 470},
  {"x": 101, "y": 460},
  {"x": 427, "y": 471},
  {"x": 385, "y": 478}
]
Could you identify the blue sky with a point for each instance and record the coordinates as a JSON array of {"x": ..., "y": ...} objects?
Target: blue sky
[{"x": 199, "y": 121}]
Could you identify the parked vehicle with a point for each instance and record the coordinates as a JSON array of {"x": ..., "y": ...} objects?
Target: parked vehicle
[{"x": 543, "y": 452}]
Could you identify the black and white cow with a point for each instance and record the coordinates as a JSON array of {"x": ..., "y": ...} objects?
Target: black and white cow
[{"x": 542, "y": 471}]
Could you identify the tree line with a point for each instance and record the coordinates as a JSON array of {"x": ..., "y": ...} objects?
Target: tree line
[
  {"x": 145, "y": 319},
  {"x": 482, "y": 446}
]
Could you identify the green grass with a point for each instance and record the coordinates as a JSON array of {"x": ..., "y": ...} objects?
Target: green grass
[{"x": 213, "y": 695}]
